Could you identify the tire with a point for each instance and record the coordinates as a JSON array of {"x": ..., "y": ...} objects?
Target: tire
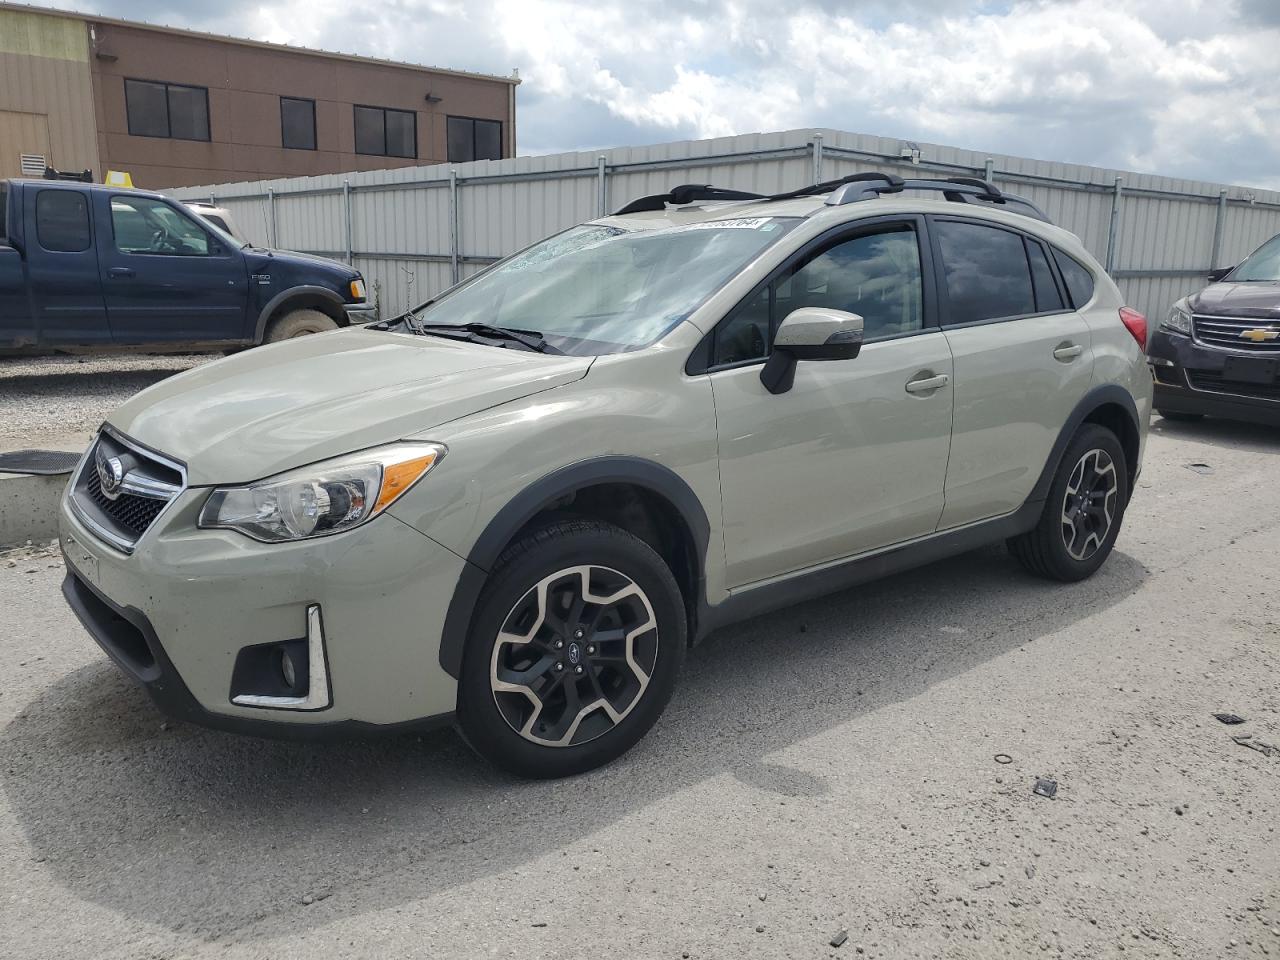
[
  {"x": 1180, "y": 417},
  {"x": 298, "y": 323},
  {"x": 1070, "y": 551},
  {"x": 546, "y": 726}
]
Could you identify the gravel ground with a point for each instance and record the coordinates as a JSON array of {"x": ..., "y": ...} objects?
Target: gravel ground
[
  {"x": 56, "y": 401},
  {"x": 827, "y": 768}
]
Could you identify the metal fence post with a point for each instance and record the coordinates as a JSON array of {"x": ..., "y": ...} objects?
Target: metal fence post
[
  {"x": 346, "y": 219},
  {"x": 1218, "y": 225},
  {"x": 816, "y": 143},
  {"x": 602, "y": 196},
  {"x": 271, "y": 218},
  {"x": 455, "y": 258},
  {"x": 1114, "y": 229},
  {"x": 989, "y": 170}
]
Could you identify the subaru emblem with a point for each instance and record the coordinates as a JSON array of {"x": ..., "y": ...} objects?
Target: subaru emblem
[{"x": 110, "y": 473}]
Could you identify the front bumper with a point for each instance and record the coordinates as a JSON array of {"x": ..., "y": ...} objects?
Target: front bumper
[
  {"x": 176, "y": 613},
  {"x": 1189, "y": 379}
]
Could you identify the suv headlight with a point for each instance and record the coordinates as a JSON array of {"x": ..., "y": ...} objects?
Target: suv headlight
[
  {"x": 324, "y": 498},
  {"x": 1179, "y": 321}
]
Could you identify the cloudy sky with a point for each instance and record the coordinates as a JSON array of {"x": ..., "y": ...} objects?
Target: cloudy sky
[{"x": 1181, "y": 87}]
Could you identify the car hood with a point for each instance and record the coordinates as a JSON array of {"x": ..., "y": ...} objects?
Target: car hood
[
  {"x": 281, "y": 406},
  {"x": 1254, "y": 299}
]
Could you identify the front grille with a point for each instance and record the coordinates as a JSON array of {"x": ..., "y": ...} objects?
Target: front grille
[
  {"x": 1226, "y": 332},
  {"x": 149, "y": 483},
  {"x": 1214, "y": 382},
  {"x": 133, "y": 513}
]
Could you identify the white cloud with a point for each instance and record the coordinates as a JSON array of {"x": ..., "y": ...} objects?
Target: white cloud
[{"x": 1183, "y": 87}]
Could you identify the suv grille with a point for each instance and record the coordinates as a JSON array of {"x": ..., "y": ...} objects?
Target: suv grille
[
  {"x": 1227, "y": 332},
  {"x": 145, "y": 483}
]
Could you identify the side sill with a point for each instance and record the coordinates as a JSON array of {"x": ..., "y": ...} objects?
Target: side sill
[{"x": 754, "y": 601}]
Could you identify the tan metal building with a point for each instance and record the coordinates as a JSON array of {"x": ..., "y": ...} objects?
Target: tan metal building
[{"x": 176, "y": 107}]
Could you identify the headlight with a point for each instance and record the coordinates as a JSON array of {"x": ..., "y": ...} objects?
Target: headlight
[
  {"x": 324, "y": 498},
  {"x": 357, "y": 289},
  {"x": 1178, "y": 321}
]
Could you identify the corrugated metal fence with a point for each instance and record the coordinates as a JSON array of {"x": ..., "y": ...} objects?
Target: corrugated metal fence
[{"x": 414, "y": 231}]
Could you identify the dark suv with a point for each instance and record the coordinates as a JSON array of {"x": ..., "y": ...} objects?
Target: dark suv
[{"x": 1218, "y": 351}]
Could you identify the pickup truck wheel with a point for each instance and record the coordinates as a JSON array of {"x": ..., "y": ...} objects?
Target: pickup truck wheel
[
  {"x": 573, "y": 652},
  {"x": 298, "y": 323},
  {"x": 1082, "y": 515}
]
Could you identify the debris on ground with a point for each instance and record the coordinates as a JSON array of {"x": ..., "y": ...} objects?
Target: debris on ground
[
  {"x": 839, "y": 939},
  {"x": 1201, "y": 468},
  {"x": 1045, "y": 788},
  {"x": 1253, "y": 743},
  {"x": 1003, "y": 758},
  {"x": 1230, "y": 719}
]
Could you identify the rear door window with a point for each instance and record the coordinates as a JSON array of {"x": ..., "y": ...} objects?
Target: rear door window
[
  {"x": 1077, "y": 277},
  {"x": 1048, "y": 297},
  {"x": 986, "y": 272},
  {"x": 62, "y": 221}
]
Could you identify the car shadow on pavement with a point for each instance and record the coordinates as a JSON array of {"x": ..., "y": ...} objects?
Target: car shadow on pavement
[
  {"x": 206, "y": 833},
  {"x": 1254, "y": 437}
]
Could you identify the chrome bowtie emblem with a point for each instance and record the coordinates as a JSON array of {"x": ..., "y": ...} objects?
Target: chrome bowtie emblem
[{"x": 110, "y": 473}]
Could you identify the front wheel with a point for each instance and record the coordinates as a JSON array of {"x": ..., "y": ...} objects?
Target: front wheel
[
  {"x": 1082, "y": 515},
  {"x": 298, "y": 323},
  {"x": 573, "y": 652}
]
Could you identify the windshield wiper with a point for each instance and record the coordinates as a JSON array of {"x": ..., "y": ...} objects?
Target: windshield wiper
[{"x": 530, "y": 339}]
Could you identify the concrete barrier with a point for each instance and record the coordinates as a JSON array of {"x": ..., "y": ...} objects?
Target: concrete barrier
[{"x": 29, "y": 507}]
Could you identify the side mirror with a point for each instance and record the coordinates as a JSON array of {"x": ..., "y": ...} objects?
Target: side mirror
[
  {"x": 1216, "y": 275},
  {"x": 810, "y": 333}
]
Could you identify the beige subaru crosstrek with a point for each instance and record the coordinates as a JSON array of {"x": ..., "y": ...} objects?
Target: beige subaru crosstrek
[{"x": 516, "y": 506}]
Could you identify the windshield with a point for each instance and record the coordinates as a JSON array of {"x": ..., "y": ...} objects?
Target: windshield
[
  {"x": 603, "y": 289},
  {"x": 1262, "y": 264}
]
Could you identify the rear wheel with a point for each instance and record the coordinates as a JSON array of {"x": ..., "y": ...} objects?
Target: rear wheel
[
  {"x": 298, "y": 323},
  {"x": 573, "y": 652},
  {"x": 1082, "y": 515},
  {"x": 1180, "y": 417}
]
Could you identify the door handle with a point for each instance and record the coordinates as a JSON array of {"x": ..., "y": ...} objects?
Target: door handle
[
  {"x": 119, "y": 272},
  {"x": 1068, "y": 352},
  {"x": 928, "y": 384}
]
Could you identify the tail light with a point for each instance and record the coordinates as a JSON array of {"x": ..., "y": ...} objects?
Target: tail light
[{"x": 1136, "y": 324}]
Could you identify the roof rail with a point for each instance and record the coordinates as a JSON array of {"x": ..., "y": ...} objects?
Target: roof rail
[
  {"x": 686, "y": 193},
  {"x": 955, "y": 189},
  {"x": 850, "y": 189}
]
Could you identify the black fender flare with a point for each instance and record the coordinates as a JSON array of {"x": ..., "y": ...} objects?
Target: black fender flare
[
  {"x": 1095, "y": 399},
  {"x": 536, "y": 497},
  {"x": 303, "y": 291}
]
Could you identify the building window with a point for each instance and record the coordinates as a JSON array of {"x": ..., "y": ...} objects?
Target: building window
[
  {"x": 472, "y": 139},
  {"x": 170, "y": 110},
  {"x": 386, "y": 133},
  {"x": 298, "y": 123}
]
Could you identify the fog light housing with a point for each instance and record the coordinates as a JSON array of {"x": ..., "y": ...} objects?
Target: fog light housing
[{"x": 287, "y": 675}]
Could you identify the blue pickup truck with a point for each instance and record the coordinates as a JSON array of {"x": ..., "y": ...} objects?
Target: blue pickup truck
[{"x": 85, "y": 266}]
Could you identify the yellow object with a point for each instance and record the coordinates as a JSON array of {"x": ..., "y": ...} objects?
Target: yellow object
[
  {"x": 399, "y": 477},
  {"x": 118, "y": 178},
  {"x": 357, "y": 290},
  {"x": 1258, "y": 336}
]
